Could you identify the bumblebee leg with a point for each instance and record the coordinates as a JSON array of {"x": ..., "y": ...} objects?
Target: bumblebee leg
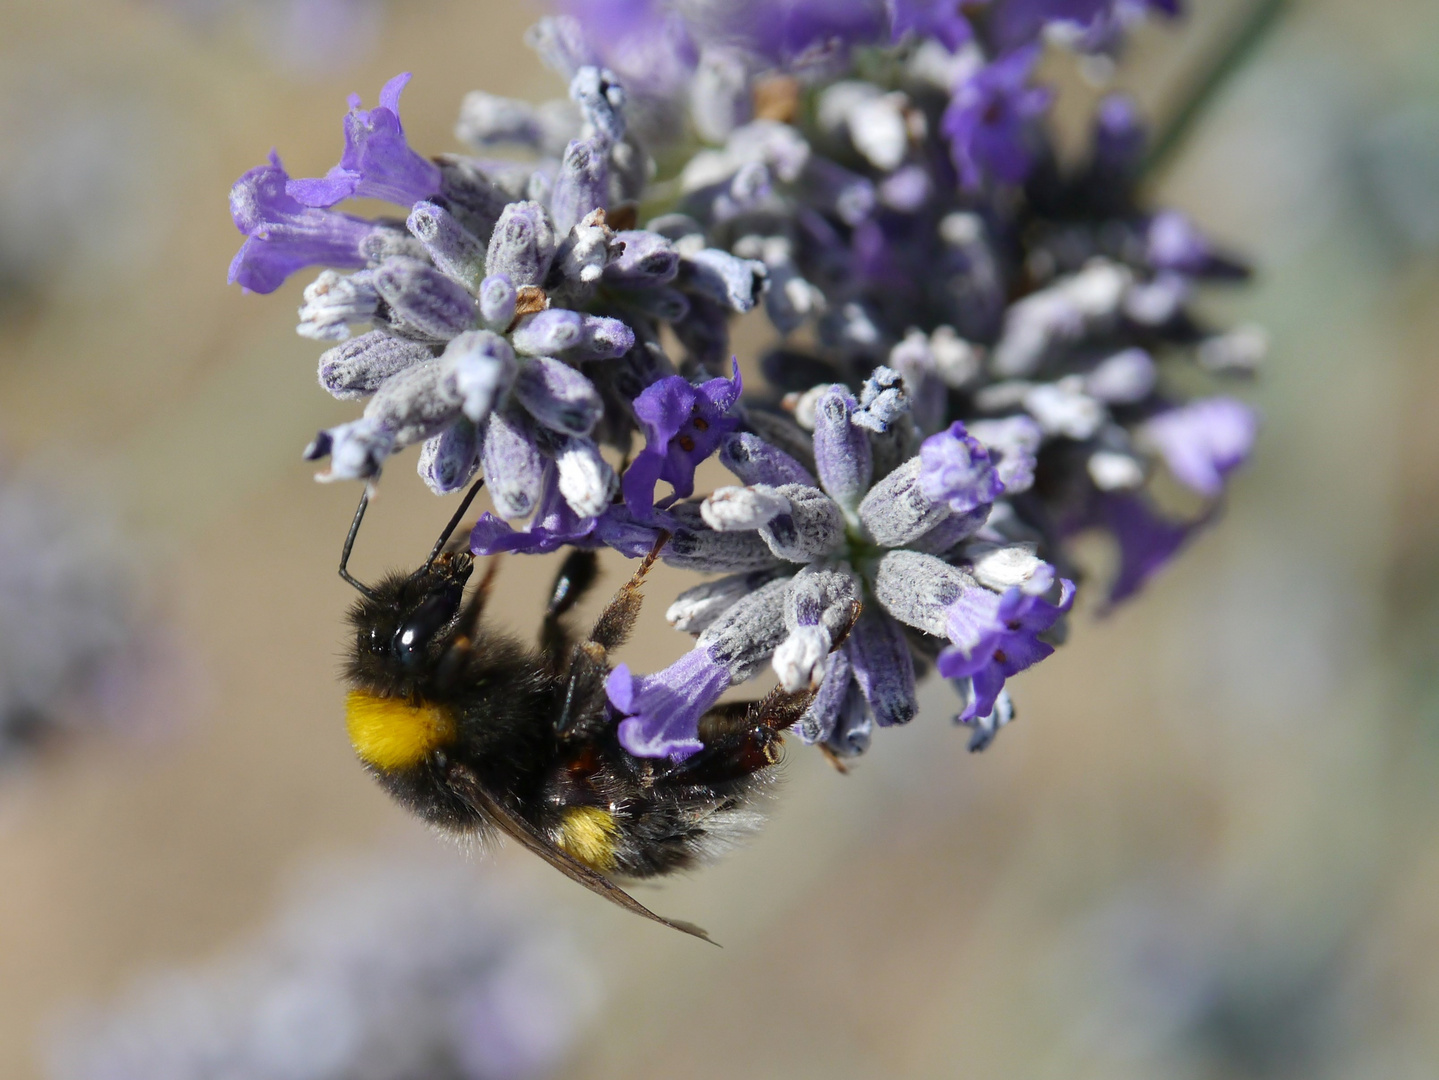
[
  {"x": 577, "y": 576},
  {"x": 613, "y": 627},
  {"x": 453, "y": 660},
  {"x": 741, "y": 738}
]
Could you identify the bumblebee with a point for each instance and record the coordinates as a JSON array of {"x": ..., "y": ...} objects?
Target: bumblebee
[{"x": 477, "y": 732}]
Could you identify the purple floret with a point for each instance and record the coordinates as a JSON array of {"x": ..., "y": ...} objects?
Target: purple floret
[
  {"x": 377, "y": 163},
  {"x": 661, "y": 712},
  {"x": 683, "y": 425},
  {"x": 282, "y": 236},
  {"x": 989, "y": 118}
]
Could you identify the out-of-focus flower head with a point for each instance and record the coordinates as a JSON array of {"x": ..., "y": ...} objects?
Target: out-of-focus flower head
[{"x": 383, "y": 969}]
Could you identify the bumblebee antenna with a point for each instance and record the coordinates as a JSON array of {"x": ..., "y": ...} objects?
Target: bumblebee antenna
[
  {"x": 345, "y": 574},
  {"x": 450, "y": 528}
]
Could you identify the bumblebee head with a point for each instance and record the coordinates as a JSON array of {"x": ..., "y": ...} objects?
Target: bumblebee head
[{"x": 404, "y": 624}]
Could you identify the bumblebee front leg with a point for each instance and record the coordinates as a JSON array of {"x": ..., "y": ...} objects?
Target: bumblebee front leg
[
  {"x": 612, "y": 629},
  {"x": 589, "y": 660}
]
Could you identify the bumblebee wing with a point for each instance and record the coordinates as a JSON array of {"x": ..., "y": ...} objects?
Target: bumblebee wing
[{"x": 520, "y": 830}]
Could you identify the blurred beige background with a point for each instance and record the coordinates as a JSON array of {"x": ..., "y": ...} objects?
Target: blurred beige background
[{"x": 1209, "y": 847}]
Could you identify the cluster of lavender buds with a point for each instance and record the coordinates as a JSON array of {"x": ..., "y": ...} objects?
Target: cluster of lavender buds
[
  {"x": 978, "y": 347},
  {"x": 384, "y": 970}
]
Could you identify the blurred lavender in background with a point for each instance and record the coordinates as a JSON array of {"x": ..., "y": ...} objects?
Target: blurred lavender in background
[
  {"x": 80, "y": 648},
  {"x": 379, "y": 968},
  {"x": 306, "y": 38}
]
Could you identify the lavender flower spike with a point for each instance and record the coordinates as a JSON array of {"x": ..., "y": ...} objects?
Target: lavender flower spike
[{"x": 377, "y": 163}]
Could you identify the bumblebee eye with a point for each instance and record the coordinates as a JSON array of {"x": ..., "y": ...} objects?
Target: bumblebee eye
[{"x": 415, "y": 633}]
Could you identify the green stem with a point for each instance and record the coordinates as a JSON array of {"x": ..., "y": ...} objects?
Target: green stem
[{"x": 1234, "y": 54}]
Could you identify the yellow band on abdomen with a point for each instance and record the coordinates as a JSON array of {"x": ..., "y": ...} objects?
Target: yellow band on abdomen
[
  {"x": 588, "y": 833},
  {"x": 390, "y": 733}
]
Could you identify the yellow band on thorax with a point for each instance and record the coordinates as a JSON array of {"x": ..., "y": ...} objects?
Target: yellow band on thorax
[{"x": 390, "y": 733}]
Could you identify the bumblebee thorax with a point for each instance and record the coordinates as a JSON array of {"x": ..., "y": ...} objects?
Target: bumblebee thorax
[{"x": 394, "y": 733}]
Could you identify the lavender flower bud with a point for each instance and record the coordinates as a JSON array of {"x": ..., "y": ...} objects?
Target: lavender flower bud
[
  {"x": 1122, "y": 379},
  {"x": 359, "y": 367},
  {"x": 918, "y": 589},
  {"x": 582, "y": 184},
  {"x": 735, "y": 283},
  {"x": 841, "y": 450},
  {"x": 454, "y": 250},
  {"x": 755, "y": 461},
  {"x": 514, "y": 469},
  {"x": 586, "y": 480},
  {"x": 957, "y": 362},
  {"x": 448, "y": 460},
  {"x": 883, "y": 668},
  {"x": 736, "y": 509},
  {"x": 746, "y": 635},
  {"x": 587, "y": 250},
  {"x": 497, "y": 302},
  {"x": 720, "y": 98},
  {"x": 472, "y": 195},
  {"x": 558, "y": 396},
  {"x": 695, "y": 546},
  {"x": 1063, "y": 408},
  {"x": 602, "y": 101},
  {"x": 1058, "y": 315},
  {"x": 572, "y": 335},
  {"x": 332, "y": 301},
  {"x": 1004, "y": 566},
  {"x": 648, "y": 259},
  {"x": 422, "y": 298},
  {"x": 484, "y": 367},
  {"x": 356, "y": 450},
  {"x": 523, "y": 244},
  {"x": 897, "y": 510},
  {"x": 696, "y": 608},
  {"x": 488, "y": 120},
  {"x": 388, "y": 239},
  {"x": 1237, "y": 352},
  {"x": 812, "y": 528},
  {"x": 417, "y": 402},
  {"x": 819, "y": 719}
]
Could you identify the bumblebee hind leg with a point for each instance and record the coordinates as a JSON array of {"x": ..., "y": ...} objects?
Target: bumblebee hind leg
[{"x": 741, "y": 738}]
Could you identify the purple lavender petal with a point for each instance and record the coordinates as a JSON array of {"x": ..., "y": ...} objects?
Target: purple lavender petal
[
  {"x": 955, "y": 469},
  {"x": 818, "y": 722},
  {"x": 1204, "y": 441},
  {"x": 282, "y": 236},
  {"x": 661, "y": 711},
  {"x": 377, "y": 163},
  {"x": 683, "y": 424},
  {"x": 988, "y": 120},
  {"x": 1147, "y": 541},
  {"x": 939, "y": 19}
]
